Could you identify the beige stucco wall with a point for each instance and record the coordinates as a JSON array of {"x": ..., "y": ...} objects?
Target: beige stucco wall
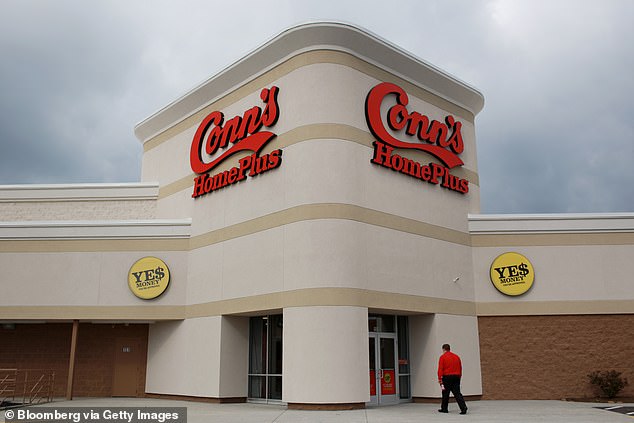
[
  {"x": 563, "y": 273},
  {"x": 200, "y": 357},
  {"x": 580, "y": 263},
  {"x": 83, "y": 278},
  {"x": 325, "y": 355},
  {"x": 327, "y": 217},
  {"x": 184, "y": 357},
  {"x": 427, "y": 335},
  {"x": 327, "y": 222}
]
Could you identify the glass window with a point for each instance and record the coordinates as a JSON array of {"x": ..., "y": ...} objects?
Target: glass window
[
  {"x": 381, "y": 323},
  {"x": 275, "y": 345},
  {"x": 257, "y": 345},
  {"x": 265, "y": 357},
  {"x": 403, "y": 386},
  {"x": 403, "y": 358},
  {"x": 403, "y": 345}
]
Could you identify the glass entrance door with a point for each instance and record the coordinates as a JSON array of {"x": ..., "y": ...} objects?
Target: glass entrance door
[
  {"x": 265, "y": 358},
  {"x": 383, "y": 370}
]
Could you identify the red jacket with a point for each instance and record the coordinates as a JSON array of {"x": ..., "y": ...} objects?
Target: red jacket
[{"x": 449, "y": 364}]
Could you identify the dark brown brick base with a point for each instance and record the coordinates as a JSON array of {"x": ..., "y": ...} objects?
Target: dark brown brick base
[
  {"x": 329, "y": 406},
  {"x": 548, "y": 357},
  {"x": 428, "y": 400},
  {"x": 210, "y": 400},
  {"x": 46, "y": 346}
]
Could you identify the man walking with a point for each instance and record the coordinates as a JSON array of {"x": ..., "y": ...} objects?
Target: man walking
[{"x": 449, "y": 375}]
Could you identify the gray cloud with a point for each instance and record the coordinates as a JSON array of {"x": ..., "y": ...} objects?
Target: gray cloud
[{"x": 556, "y": 134}]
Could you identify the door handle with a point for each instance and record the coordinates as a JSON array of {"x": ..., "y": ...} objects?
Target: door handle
[{"x": 381, "y": 374}]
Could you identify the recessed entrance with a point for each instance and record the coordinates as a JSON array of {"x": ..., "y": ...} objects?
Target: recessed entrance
[
  {"x": 265, "y": 358},
  {"x": 389, "y": 359}
]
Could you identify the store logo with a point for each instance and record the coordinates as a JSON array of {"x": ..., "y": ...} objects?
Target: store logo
[
  {"x": 148, "y": 278},
  {"x": 512, "y": 274},
  {"x": 216, "y": 140},
  {"x": 441, "y": 140}
]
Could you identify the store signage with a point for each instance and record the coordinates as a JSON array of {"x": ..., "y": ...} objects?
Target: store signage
[
  {"x": 216, "y": 140},
  {"x": 387, "y": 383},
  {"x": 512, "y": 274},
  {"x": 148, "y": 278},
  {"x": 442, "y": 140}
]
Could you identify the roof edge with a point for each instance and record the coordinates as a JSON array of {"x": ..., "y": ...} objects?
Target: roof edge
[{"x": 307, "y": 37}]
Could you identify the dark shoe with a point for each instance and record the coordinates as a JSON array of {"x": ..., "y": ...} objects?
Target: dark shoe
[
  {"x": 464, "y": 411},
  {"x": 442, "y": 411}
]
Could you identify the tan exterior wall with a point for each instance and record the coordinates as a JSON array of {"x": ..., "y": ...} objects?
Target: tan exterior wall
[
  {"x": 563, "y": 273},
  {"x": 548, "y": 357},
  {"x": 82, "y": 279},
  {"x": 326, "y": 202}
]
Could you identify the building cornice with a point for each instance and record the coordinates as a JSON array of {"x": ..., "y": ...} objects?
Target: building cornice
[
  {"x": 482, "y": 224},
  {"x": 100, "y": 230},
  {"x": 312, "y": 37},
  {"x": 78, "y": 192}
]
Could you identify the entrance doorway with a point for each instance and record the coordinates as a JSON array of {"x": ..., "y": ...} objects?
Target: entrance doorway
[
  {"x": 389, "y": 359},
  {"x": 265, "y": 358},
  {"x": 127, "y": 360},
  {"x": 383, "y": 369}
]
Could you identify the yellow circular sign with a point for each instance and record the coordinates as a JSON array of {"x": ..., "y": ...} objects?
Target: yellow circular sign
[
  {"x": 512, "y": 274},
  {"x": 148, "y": 278}
]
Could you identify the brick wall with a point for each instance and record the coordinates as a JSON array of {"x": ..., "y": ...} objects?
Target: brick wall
[
  {"x": 548, "y": 357},
  {"x": 47, "y": 347}
]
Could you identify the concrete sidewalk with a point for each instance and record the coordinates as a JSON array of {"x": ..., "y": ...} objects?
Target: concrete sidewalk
[{"x": 479, "y": 411}]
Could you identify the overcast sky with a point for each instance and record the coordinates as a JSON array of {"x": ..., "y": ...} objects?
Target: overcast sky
[{"x": 556, "y": 133}]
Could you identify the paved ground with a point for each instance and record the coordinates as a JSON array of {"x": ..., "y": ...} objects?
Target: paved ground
[{"x": 479, "y": 411}]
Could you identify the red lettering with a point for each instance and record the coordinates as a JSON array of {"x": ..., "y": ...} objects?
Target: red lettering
[
  {"x": 275, "y": 159},
  {"x": 233, "y": 175},
  {"x": 433, "y": 173},
  {"x": 245, "y": 164},
  {"x": 199, "y": 185},
  {"x": 241, "y": 131},
  {"x": 437, "y": 171},
  {"x": 271, "y": 111},
  {"x": 435, "y": 133},
  {"x": 382, "y": 154},
  {"x": 464, "y": 186}
]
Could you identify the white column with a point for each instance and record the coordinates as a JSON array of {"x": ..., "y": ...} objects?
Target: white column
[
  {"x": 234, "y": 356},
  {"x": 326, "y": 356}
]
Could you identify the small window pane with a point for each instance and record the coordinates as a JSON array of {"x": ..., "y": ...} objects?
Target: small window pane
[
  {"x": 257, "y": 387},
  {"x": 275, "y": 344},
  {"x": 387, "y": 323},
  {"x": 403, "y": 384},
  {"x": 403, "y": 345},
  {"x": 257, "y": 345},
  {"x": 275, "y": 387}
]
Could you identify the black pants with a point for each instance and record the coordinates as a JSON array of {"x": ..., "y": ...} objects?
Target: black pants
[{"x": 452, "y": 384}]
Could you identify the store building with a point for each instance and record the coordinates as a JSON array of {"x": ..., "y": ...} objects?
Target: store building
[{"x": 307, "y": 230}]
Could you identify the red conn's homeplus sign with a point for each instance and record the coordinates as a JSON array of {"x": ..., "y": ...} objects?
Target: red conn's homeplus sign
[
  {"x": 442, "y": 140},
  {"x": 219, "y": 140}
]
